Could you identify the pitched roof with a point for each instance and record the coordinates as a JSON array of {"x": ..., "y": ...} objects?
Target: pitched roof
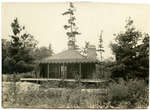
[{"x": 69, "y": 56}]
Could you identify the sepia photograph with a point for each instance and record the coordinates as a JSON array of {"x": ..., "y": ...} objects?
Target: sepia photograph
[{"x": 75, "y": 55}]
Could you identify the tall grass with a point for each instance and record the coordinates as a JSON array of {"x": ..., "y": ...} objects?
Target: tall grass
[{"x": 122, "y": 94}]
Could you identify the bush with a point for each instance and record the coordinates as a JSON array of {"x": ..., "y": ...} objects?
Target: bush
[
  {"x": 22, "y": 66},
  {"x": 8, "y": 65},
  {"x": 11, "y": 77},
  {"x": 50, "y": 84},
  {"x": 117, "y": 92},
  {"x": 121, "y": 94},
  {"x": 7, "y": 77},
  {"x": 126, "y": 94},
  {"x": 25, "y": 75},
  {"x": 137, "y": 89},
  {"x": 71, "y": 97}
]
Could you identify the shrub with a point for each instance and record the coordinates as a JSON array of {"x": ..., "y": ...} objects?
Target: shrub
[
  {"x": 137, "y": 89},
  {"x": 128, "y": 94},
  {"x": 10, "y": 77},
  {"x": 22, "y": 66},
  {"x": 50, "y": 84},
  {"x": 72, "y": 96},
  {"x": 7, "y": 77},
  {"x": 121, "y": 94},
  {"x": 117, "y": 92},
  {"x": 10, "y": 91},
  {"x": 8, "y": 65},
  {"x": 143, "y": 100},
  {"x": 25, "y": 75}
]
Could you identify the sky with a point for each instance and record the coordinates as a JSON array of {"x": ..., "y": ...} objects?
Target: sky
[{"x": 45, "y": 21}]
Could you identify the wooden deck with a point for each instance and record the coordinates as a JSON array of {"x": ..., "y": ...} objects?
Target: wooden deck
[{"x": 67, "y": 80}]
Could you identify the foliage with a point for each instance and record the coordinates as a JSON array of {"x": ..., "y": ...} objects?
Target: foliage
[
  {"x": 106, "y": 67},
  {"x": 130, "y": 53},
  {"x": 101, "y": 50},
  {"x": 117, "y": 92},
  {"x": 5, "y": 53},
  {"x": 100, "y": 45},
  {"x": 50, "y": 84},
  {"x": 138, "y": 89},
  {"x": 71, "y": 26},
  {"x": 142, "y": 59},
  {"x": 121, "y": 94},
  {"x": 9, "y": 77},
  {"x": 43, "y": 52},
  {"x": 20, "y": 53},
  {"x": 83, "y": 51},
  {"x": 8, "y": 65},
  {"x": 17, "y": 55},
  {"x": 9, "y": 94},
  {"x": 127, "y": 93}
]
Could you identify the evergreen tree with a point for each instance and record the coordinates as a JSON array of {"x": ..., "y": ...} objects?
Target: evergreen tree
[
  {"x": 142, "y": 58},
  {"x": 125, "y": 50},
  {"x": 5, "y": 53},
  {"x": 84, "y": 50},
  {"x": 71, "y": 26},
  {"x": 101, "y": 50},
  {"x": 20, "y": 58}
]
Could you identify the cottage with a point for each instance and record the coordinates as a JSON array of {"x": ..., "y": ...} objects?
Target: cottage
[{"x": 70, "y": 64}]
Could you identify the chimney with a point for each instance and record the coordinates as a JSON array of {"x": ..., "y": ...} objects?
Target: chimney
[
  {"x": 71, "y": 45},
  {"x": 91, "y": 52}
]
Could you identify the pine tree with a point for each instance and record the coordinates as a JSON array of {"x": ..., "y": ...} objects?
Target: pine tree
[
  {"x": 22, "y": 43},
  {"x": 129, "y": 62},
  {"x": 71, "y": 26},
  {"x": 101, "y": 50}
]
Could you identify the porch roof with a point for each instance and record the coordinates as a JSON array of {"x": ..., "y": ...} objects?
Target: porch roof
[{"x": 69, "y": 56}]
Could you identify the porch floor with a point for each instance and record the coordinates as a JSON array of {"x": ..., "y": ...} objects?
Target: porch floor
[{"x": 68, "y": 80}]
